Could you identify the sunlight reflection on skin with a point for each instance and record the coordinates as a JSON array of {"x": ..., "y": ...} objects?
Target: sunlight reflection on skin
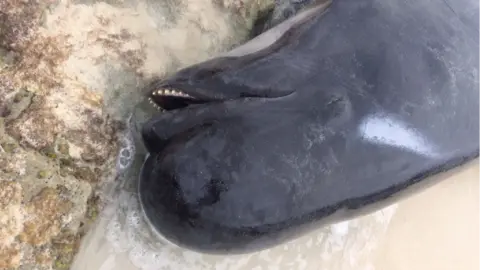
[{"x": 387, "y": 130}]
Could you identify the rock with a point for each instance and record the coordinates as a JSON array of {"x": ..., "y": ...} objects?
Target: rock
[
  {"x": 45, "y": 212},
  {"x": 36, "y": 205},
  {"x": 11, "y": 213},
  {"x": 10, "y": 257},
  {"x": 11, "y": 223},
  {"x": 37, "y": 127},
  {"x": 10, "y": 193},
  {"x": 44, "y": 257},
  {"x": 70, "y": 73}
]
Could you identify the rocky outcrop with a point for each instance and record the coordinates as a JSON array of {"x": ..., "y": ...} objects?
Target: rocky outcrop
[{"x": 70, "y": 72}]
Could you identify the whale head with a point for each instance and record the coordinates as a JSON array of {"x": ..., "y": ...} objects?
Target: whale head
[
  {"x": 294, "y": 129},
  {"x": 208, "y": 114}
]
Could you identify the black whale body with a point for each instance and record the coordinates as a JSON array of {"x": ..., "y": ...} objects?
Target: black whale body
[{"x": 351, "y": 109}]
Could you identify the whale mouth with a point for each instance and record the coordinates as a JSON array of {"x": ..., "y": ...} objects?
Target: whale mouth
[{"x": 168, "y": 99}]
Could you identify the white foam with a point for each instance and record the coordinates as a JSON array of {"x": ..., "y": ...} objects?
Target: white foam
[
  {"x": 126, "y": 153},
  {"x": 116, "y": 236},
  {"x": 134, "y": 219}
]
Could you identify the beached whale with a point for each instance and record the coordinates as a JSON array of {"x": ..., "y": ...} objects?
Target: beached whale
[{"x": 334, "y": 113}]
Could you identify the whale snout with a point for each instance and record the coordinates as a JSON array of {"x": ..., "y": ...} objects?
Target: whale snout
[
  {"x": 208, "y": 188},
  {"x": 191, "y": 197}
]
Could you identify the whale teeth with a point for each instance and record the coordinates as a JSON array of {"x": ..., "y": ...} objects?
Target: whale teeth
[
  {"x": 155, "y": 105},
  {"x": 166, "y": 92},
  {"x": 169, "y": 92}
]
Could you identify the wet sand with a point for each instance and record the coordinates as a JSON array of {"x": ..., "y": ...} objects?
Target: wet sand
[{"x": 437, "y": 229}]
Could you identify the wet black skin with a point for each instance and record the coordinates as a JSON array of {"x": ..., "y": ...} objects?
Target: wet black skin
[{"x": 351, "y": 110}]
